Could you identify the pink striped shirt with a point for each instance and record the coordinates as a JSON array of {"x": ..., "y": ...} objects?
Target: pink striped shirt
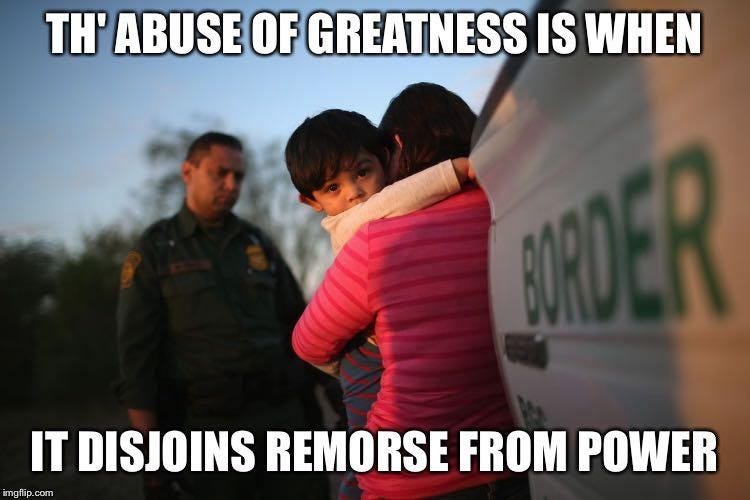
[{"x": 422, "y": 278}]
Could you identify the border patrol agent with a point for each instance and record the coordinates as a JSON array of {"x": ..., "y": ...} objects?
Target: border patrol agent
[{"x": 204, "y": 318}]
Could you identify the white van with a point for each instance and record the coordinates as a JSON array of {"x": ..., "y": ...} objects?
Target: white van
[{"x": 620, "y": 247}]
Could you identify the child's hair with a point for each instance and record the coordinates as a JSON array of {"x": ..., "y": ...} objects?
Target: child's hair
[
  {"x": 324, "y": 144},
  {"x": 433, "y": 123}
]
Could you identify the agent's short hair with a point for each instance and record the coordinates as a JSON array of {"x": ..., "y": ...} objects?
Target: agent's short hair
[
  {"x": 434, "y": 124},
  {"x": 202, "y": 145},
  {"x": 328, "y": 142}
]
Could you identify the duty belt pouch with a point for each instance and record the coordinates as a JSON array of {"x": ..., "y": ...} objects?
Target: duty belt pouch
[{"x": 216, "y": 396}]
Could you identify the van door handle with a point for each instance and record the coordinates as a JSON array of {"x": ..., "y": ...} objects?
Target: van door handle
[{"x": 527, "y": 348}]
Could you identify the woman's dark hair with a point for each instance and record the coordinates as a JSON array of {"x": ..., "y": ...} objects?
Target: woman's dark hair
[{"x": 433, "y": 123}]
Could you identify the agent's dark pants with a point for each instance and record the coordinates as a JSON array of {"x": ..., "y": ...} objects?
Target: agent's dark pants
[{"x": 256, "y": 484}]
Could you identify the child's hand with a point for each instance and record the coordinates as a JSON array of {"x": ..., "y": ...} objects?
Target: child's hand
[{"x": 463, "y": 169}]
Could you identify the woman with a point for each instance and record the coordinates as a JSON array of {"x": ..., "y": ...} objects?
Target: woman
[{"x": 422, "y": 279}]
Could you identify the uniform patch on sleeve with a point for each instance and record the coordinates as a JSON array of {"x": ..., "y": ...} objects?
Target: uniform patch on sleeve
[
  {"x": 256, "y": 257},
  {"x": 132, "y": 259}
]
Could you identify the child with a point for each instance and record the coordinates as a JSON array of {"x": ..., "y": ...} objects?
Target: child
[{"x": 336, "y": 161}]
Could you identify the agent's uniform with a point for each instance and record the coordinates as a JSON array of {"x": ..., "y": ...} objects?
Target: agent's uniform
[{"x": 204, "y": 320}]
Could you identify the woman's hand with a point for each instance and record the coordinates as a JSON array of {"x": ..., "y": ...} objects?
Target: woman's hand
[
  {"x": 463, "y": 169},
  {"x": 331, "y": 368}
]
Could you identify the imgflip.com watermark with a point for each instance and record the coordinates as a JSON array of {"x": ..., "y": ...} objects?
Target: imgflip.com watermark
[{"x": 24, "y": 493}]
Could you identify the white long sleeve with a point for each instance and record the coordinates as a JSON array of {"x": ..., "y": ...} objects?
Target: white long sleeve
[{"x": 415, "y": 192}]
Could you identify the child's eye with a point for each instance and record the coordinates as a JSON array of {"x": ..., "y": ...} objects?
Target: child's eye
[
  {"x": 362, "y": 172},
  {"x": 332, "y": 188}
]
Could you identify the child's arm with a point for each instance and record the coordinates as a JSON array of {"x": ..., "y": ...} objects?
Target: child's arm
[{"x": 415, "y": 192}]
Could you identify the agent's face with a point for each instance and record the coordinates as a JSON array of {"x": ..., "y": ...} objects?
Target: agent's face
[
  {"x": 212, "y": 186},
  {"x": 351, "y": 186}
]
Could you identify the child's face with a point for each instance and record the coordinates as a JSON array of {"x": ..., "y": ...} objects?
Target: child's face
[{"x": 350, "y": 186}]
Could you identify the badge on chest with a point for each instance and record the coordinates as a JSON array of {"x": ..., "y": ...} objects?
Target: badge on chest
[{"x": 256, "y": 258}]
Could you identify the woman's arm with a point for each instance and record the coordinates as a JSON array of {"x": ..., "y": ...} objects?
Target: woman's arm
[{"x": 340, "y": 307}]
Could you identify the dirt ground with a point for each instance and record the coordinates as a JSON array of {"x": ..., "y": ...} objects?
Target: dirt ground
[{"x": 15, "y": 459}]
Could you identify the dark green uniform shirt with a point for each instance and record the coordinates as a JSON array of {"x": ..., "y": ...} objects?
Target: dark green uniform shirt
[{"x": 198, "y": 302}]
